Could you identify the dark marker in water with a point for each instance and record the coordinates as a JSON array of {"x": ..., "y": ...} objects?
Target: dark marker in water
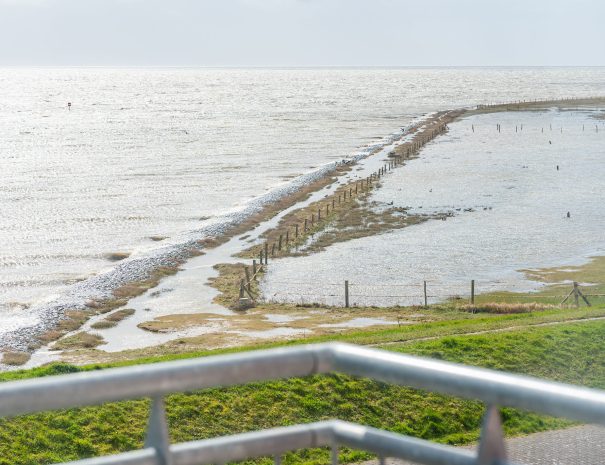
[{"x": 69, "y": 105}]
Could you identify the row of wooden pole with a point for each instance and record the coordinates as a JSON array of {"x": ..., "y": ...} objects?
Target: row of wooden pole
[
  {"x": 575, "y": 292},
  {"x": 363, "y": 185},
  {"x": 536, "y": 101}
]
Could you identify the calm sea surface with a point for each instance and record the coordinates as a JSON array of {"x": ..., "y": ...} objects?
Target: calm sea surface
[{"x": 158, "y": 152}]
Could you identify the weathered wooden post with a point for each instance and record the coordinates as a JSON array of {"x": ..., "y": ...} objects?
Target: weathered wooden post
[
  {"x": 241, "y": 289},
  {"x": 279, "y": 242},
  {"x": 266, "y": 253},
  {"x": 347, "y": 294},
  {"x": 319, "y": 214},
  {"x": 254, "y": 268},
  {"x": 305, "y": 226},
  {"x": 273, "y": 249},
  {"x": 333, "y": 204},
  {"x": 260, "y": 255},
  {"x": 312, "y": 219},
  {"x": 425, "y": 296},
  {"x": 296, "y": 231},
  {"x": 287, "y": 237},
  {"x": 248, "y": 279},
  {"x": 472, "y": 291},
  {"x": 576, "y": 294}
]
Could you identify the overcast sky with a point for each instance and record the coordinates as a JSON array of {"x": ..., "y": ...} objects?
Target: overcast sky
[{"x": 302, "y": 32}]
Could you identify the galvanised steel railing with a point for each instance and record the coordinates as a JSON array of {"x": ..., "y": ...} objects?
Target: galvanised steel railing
[{"x": 157, "y": 380}]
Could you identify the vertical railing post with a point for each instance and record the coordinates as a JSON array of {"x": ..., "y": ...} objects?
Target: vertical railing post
[
  {"x": 472, "y": 291},
  {"x": 491, "y": 444},
  {"x": 157, "y": 436}
]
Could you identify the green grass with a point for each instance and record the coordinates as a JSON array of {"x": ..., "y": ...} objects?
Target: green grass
[{"x": 569, "y": 353}]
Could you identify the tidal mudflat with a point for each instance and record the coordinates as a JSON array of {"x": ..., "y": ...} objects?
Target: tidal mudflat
[{"x": 502, "y": 198}]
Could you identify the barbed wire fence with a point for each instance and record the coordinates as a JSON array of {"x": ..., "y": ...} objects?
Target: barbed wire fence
[{"x": 351, "y": 294}]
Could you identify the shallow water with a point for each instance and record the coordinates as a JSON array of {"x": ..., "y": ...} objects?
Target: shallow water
[
  {"x": 516, "y": 203},
  {"x": 189, "y": 291},
  {"x": 155, "y": 152}
]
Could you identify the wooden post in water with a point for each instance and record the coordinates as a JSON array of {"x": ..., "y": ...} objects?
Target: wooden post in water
[
  {"x": 347, "y": 294},
  {"x": 319, "y": 214},
  {"x": 279, "y": 243},
  {"x": 254, "y": 268},
  {"x": 472, "y": 291},
  {"x": 266, "y": 253},
  {"x": 241, "y": 289},
  {"x": 273, "y": 249},
  {"x": 296, "y": 231},
  {"x": 425, "y": 296},
  {"x": 260, "y": 255}
]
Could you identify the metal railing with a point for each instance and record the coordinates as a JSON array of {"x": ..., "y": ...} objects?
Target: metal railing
[{"x": 157, "y": 380}]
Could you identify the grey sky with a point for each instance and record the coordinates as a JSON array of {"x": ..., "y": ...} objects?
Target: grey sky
[{"x": 302, "y": 32}]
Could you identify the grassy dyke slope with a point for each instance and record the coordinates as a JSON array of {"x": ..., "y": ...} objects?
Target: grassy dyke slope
[{"x": 568, "y": 352}]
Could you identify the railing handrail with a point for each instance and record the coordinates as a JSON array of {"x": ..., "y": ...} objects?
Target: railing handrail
[{"x": 155, "y": 380}]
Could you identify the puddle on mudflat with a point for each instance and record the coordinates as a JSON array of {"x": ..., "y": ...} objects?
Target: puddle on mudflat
[
  {"x": 274, "y": 332},
  {"x": 359, "y": 323},
  {"x": 276, "y": 318}
]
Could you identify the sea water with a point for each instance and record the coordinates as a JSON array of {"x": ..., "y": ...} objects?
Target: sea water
[{"x": 145, "y": 154}]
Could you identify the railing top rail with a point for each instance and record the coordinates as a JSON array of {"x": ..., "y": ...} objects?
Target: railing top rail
[{"x": 156, "y": 380}]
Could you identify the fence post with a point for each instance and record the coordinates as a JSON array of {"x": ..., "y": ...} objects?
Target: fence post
[
  {"x": 254, "y": 267},
  {"x": 576, "y": 294},
  {"x": 425, "y": 297},
  {"x": 248, "y": 279},
  {"x": 260, "y": 255},
  {"x": 296, "y": 230},
  {"x": 347, "y": 294},
  {"x": 241, "y": 289},
  {"x": 472, "y": 291},
  {"x": 279, "y": 243},
  {"x": 266, "y": 253}
]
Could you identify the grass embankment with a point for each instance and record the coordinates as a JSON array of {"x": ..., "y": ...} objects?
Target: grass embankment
[{"x": 569, "y": 353}]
